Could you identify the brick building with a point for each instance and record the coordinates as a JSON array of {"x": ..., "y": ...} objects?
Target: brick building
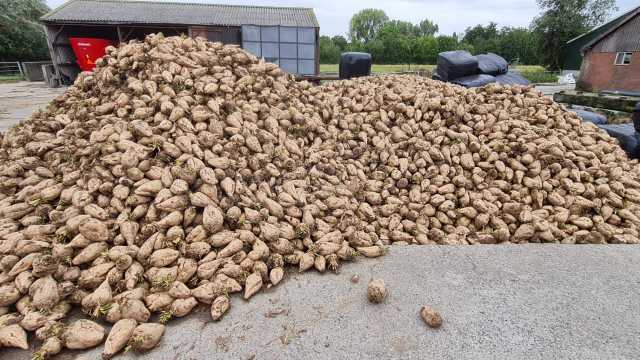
[
  {"x": 612, "y": 60},
  {"x": 573, "y": 50}
]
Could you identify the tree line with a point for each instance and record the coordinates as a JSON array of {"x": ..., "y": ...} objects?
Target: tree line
[
  {"x": 401, "y": 42},
  {"x": 21, "y": 36}
]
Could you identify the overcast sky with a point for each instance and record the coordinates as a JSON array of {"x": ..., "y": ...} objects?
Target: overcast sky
[{"x": 450, "y": 15}]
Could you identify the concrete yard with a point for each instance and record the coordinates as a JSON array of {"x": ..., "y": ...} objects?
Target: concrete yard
[
  {"x": 498, "y": 302},
  {"x": 551, "y": 89},
  {"x": 19, "y": 100}
]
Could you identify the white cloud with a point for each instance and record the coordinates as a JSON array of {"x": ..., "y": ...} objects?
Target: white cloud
[{"x": 450, "y": 15}]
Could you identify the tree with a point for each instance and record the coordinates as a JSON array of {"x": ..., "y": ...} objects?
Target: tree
[
  {"x": 356, "y": 46},
  {"x": 484, "y": 39},
  {"x": 329, "y": 52},
  {"x": 426, "y": 50},
  {"x": 375, "y": 47},
  {"x": 21, "y": 37},
  {"x": 447, "y": 43},
  {"x": 365, "y": 24},
  {"x": 467, "y": 47},
  {"x": 563, "y": 20},
  {"x": 479, "y": 32},
  {"x": 395, "y": 37},
  {"x": 340, "y": 42},
  {"x": 400, "y": 27},
  {"x": 427, "y": 28},
  {"x": 518, "y": 44},
  {"x": 510, "y": 43}
]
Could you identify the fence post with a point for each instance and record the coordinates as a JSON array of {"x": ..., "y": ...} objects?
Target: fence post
[{"x": 20, "y": 68}]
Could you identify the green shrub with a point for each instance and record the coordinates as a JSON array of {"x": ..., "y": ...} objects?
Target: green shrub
[{"x": 540, "y": 76}]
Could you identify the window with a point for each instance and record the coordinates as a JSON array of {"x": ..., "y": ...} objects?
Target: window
[{"x": 623, "y": 58}]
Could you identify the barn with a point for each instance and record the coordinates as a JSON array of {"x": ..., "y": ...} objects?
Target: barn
[
  {"x": 288, "y": 36},
  {"x": 573, "y": 51},
  {"x": 612, "y": 60}
]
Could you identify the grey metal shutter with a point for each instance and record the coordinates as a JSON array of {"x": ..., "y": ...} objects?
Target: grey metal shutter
[{"x": 292, "y": 48}]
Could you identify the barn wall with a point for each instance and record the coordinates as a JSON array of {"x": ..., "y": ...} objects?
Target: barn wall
[
  {"x": 600, "y": 73},
  {"x": 62, "y": 56},
  {"x": 67, "y": 69},
  {"x": 223, "y": 34},
  {"x": 625, "y": 38},
  {"x": 127, "y": 33}
]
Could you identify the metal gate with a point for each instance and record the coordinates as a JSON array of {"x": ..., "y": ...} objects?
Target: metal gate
[{"x": 10, "y": 68}]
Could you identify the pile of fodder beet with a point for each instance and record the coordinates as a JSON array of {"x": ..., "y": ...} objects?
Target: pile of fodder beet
[
  {"x": 164, "y": 178},
  {"x": 182, "y": 171},
  {"x": 429, "y": 162}
]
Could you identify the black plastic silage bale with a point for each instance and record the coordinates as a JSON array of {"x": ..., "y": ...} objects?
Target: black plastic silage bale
[
  {"x": 354, "y": 64},
  {"x": 636, "y": 117},
  {"x": 590, "y": 116},
  {"x": 512, "y": 78},
  {"x": 456, "y": 64},
  {"x": 626, "y": 135},
  {"x": 492, "y": 64},
  {"x": 472, "y": 81}
]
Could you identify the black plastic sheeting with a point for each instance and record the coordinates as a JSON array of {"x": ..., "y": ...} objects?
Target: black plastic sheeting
[
  {"x": 512, "y": 78},
  {"x": 456, "y": 64},
  {"x": 477, "y": 80},
  {"x": 492, "y": 64},
  {"x": 626, "y": 135},
  {"x": 591, "y": 117},
  {"x": 354, "y": 64},
  {"x": 635, "y": 117}
]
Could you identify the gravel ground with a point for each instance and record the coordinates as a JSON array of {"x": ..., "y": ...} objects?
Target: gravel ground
[
  {"x": 19, "y": 100},
  {"x": 498, "y": 302}
]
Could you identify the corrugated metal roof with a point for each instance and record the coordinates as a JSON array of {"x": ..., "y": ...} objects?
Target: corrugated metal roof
[
  {"x": 606, "y": 25},
  {"x": 625, "y": 38},
  {"x": 629, "y": 16},
  {"x": 154, "y": 12}
]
